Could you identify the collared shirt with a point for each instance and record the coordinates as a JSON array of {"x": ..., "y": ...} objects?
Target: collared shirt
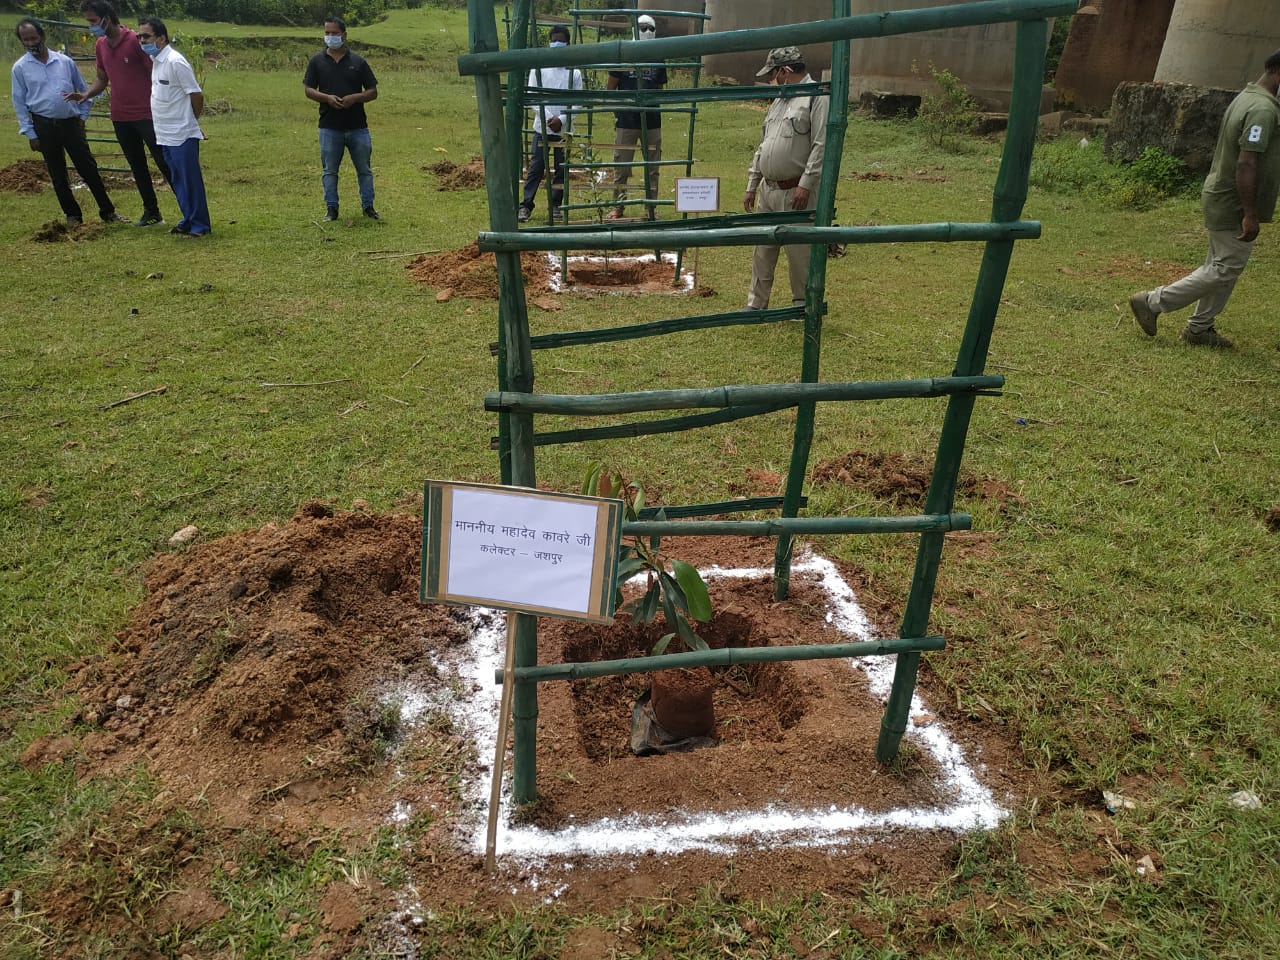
[
  {"x": 349, "y": 74},
  {"x": 172, "y": 83},
  {"x": 38, "y": 87},
  {"x": 1251, "y": 123},
  {"x": 554, "y": 78},
  {"x": 128, "y": 71},
  {"x": 793, "y": 141}
]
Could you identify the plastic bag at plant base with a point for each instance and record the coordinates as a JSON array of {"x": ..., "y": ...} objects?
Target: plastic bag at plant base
[{"x": 649, "y": 738}]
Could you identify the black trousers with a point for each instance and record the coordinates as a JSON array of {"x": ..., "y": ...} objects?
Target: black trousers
[
  {"x": 538, "y": 170},
  {"x": 137, "y": 138},
  {"x": 60, "y": 139}
]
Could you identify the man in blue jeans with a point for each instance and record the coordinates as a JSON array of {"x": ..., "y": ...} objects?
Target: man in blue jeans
[{"x": 342, "y": 83}]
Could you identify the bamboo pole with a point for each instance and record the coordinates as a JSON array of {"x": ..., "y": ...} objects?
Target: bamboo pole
[
  {"x": 884, "y": 24},
  {"x": 719, "y": 658},
  {"x": 941, "y": 522},
  {"x": 674, "y": 235},
  {"x": 733, "y": 396},
  {"x": 815, "y": 291},
  {"x": 1010, "y": 195}
]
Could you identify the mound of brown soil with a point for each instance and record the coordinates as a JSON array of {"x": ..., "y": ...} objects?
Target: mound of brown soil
[
  {"x": 454, "y": 176},
  {"x": 471, "y": 273},
  {"x": 901, "y": 479},
  {"x": 24, "y": 176},
  {"x": 57, "y": 231}
]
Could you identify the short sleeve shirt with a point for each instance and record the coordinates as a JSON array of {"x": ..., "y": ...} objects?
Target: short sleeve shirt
[
  {"x": 1251, "y": 123},
  {"x": 172, "y": 84},
  {"x": 128, "y": 71},
  {"x": 343, "y": 77}
]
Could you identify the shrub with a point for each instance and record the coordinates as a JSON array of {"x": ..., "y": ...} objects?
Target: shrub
[
  {"x": 948, "y": 114},
  {"x": 1078, "y": 167}
]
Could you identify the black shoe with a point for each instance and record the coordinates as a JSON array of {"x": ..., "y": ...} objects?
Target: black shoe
[
  {"x": 523, "y": 214},
  {"x": 330, "y": 215},
  {"x": 371, "y": 213},
  {"x": 149, "y": 218},
  {"x": 74, "y": 221},
  {"x": 112, "y": 217},
  {"x": 179, "y": 230}
]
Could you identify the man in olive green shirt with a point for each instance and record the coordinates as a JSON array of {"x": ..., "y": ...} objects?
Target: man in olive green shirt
[
  {"x": 785, "y": 171},
  {"x": 1239, "y": 193}
]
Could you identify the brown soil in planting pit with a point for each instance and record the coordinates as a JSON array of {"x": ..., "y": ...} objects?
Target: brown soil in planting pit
[
  {"x": 249, "y": 683},
  {"x": 458, "y": 176},
  {"x": 24, "y": 176}
]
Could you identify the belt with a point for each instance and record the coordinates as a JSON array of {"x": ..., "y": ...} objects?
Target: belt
[{"x": 784, "y": 184}]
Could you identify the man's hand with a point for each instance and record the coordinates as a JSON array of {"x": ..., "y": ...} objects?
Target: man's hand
[
  {"x": 337, "y": 102},
  {"x": 75, "y": 96},
  {"x": 1249, "y": 228},
  {"x": 800, "y": 199},
  {"x": 749, "y": 201},
  {"x": 35, "y": 144},
  {"x": 554, "y": 124}
]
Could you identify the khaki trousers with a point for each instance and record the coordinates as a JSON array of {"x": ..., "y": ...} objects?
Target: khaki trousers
[
  {"x": 1210, "y": 283},
  {"x": 765, "y": 259},
  {"x": 625, "y": 143}
]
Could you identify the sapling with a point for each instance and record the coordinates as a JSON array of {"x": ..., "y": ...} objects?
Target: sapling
[{"x": 680, "y": 592}]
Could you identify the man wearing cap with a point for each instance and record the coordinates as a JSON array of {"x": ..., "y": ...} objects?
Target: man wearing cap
[
  {"x": 632, "y": 127},
  {"x": 785, "y": 170}
]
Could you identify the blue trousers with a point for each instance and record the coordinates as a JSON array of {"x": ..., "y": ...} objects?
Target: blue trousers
[
  {"x": 188, "y": 186},
  {"x": 360, "y": 145},
  {"x": 538, "y": 170}
]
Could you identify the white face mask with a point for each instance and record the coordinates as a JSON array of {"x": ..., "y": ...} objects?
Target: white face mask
[{"x": 332, "y": 42}]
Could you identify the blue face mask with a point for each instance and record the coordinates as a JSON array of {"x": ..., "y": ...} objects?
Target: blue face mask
[
  {"x": 332, "y": 42},
  {"x": 559, "y": 43},
  {"x": 98, "y": 29},
  {"x": 150, "y": 49}
]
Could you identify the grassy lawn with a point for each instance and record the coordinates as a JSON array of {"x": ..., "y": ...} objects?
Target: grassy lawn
[{"x": 1123, "y": 629}]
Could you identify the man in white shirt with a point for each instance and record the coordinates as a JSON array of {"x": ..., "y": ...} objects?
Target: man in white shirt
[
  {"x": 176, "y": 105},
  {"x": 557, "y": 120}
]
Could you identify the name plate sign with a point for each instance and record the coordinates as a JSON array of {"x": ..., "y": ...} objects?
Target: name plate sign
[
  {"x": 519, "y": 549},
  {"x": 697, "y": 194}
]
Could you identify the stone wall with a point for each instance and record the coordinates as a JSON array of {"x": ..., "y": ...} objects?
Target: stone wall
[
  {"x": 1179, "y": 118},
  {"x": 1110, "y": 41}
]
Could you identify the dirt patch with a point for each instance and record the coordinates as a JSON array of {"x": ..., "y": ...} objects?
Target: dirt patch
[
  {"x": 455, "y": 176},
  {"x": 251, "y": 682},
  {"x": 24, "y": 176},
  {"x": 471, "y": 272},
  {"x": 57, "y": 231},
  {"x": 903, "y": 480},
  {"x": 1271, "y": 519}
]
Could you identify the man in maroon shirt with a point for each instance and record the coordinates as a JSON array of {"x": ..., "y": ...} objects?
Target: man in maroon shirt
[{"x": 122, "y": 64}]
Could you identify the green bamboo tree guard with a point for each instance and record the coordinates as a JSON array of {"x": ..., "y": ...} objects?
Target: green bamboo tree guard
[{"x": 517, "y": 404}]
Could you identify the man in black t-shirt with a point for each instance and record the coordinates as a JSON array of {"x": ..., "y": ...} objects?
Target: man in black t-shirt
[
  {"x": 342, "y": 83},
  {"x": 632, "y": 127}
]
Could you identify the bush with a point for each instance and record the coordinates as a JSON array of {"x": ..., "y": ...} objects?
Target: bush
[{"x": 948, "y": 114}]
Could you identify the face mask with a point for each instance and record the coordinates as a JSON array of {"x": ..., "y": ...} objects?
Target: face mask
[
  {"x": 648, "y": 33},
  {"x": 150, "y": 49},
  {"x": 332, "y": 42},
  {"x": 559, "y": 43},
  {"x": 98, "y": 29}
]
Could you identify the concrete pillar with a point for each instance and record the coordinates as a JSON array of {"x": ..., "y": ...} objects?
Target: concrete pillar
[
  {"x": 1219, "y": 43},
  {"x": 1110, "y": 41},
  {"x": 746, "y": 14}
]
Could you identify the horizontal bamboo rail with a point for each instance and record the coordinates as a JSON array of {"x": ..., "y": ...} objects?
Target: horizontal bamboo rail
[
  {"x": 648, "y": 428},
  {"x": 656, "y": 328},
  {"x": 674, "y": 236},
  {"x": 922, "y": 523},
  {"x": 722, "y": 658},
  {"x": 863, "y": 26},
  {"x": 602, "y": 404},
  {"x": 661, "y": 96}
]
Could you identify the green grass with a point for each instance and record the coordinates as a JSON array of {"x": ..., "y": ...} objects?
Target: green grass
[{"x": 1122, "y": 626}]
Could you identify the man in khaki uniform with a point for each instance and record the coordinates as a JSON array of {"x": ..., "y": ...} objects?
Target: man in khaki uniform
[
  {"x": 785, "y": 170},
  {"x": 1239, "y": 193}
]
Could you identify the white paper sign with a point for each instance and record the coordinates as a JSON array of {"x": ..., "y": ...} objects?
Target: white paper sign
[
  {"x": 697, "y": 194},
  {"x": 539, "y": 554}
]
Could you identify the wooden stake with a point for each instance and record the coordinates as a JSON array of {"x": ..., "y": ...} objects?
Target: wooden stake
[
  {"x": 500, "y": 751},
  {"x": 136, "y": 396}
]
